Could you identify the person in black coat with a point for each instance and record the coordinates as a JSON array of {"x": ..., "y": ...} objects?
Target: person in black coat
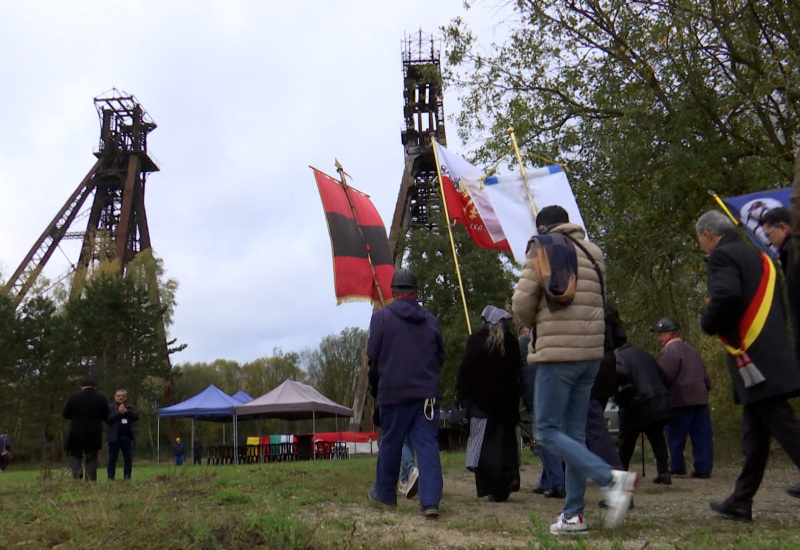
[
  {"x": 86, "y": 411},
  {"x": 764, "y": 371},
  {"x": 489, "y": 378},
  {"x": 643, "y": 401},
  {"x": 777, "y": 227}
]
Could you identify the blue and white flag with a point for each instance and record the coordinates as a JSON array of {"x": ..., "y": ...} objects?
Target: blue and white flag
[
  {"x": 512, "y": 205},
  {"x": 749, "y": 209}
]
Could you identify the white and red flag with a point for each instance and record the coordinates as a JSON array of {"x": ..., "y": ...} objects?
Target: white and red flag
[{"x": 471, "y": 208}]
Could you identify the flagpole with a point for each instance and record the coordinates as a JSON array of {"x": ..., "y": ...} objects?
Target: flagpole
[
  {"x": 361, "y": 231},
  {"x": 450, "y": 231},
  {"x": 724, "y": 208},
  {"x": 522, "y": 171}
]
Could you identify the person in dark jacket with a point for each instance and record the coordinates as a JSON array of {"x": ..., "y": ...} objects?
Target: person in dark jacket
[
  {"x": 643, "y": 402},
  {"x": 5, "y": 451},
  {"x": 86, "y": 411},
  {"x": 120, "y": 434},
  {"x": 178, "y": 451},
  {"x": 406, "y": 352},
  {"x": 777, "y": 227},
  {"x": 488, "y": 378},
  {"x": 762, "y": 364},
  {"x": 197, "y": 453},
  {"x": 688, "y": 384},
  {"x": 598, "y": 439},
  {"x": 551, "y": 480}
]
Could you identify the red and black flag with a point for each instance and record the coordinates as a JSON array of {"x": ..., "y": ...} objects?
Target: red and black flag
[{"x": 362, "y": 259}]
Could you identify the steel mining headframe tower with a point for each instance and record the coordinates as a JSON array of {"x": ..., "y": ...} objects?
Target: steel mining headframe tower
[
  {"x": 117, "y": 221},
  {"x": 423, "y": 110},
  {"x": 418, "y": 203}
]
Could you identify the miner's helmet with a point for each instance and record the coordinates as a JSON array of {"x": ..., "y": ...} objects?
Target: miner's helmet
[
  {"x": 404, "y": 279},
  {"x": 666, "y": 324}
]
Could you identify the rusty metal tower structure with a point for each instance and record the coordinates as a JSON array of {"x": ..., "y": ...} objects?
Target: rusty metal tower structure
[
  {"x": 117, "y": 222},
  {"x": 418, "y": 202}
]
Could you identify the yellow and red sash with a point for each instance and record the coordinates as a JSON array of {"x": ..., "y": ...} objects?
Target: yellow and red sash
[{"x": 756, "y": 314}]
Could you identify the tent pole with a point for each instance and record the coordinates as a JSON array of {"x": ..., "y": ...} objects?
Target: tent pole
[
  {"x": 192, "y": 440},
  {"x": 314, "y": 428},
  {"x": 158, "y": 442}
]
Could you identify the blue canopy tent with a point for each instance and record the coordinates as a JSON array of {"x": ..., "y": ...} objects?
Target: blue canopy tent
[
  {"x": 211, "y": 405},
  {"x": 242, "y": 397}
]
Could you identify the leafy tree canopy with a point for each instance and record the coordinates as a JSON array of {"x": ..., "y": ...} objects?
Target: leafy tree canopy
[{"x": 649, "y": 104}]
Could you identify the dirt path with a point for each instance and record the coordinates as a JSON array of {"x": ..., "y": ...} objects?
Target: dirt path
[{"x": 663, "y": 516}]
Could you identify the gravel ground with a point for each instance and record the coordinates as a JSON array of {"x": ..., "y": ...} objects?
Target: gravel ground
[{"x": 674, "y": 516}]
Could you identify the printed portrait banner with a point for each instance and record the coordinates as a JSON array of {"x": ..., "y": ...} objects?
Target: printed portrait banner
[{"x": 749, "y": 209}]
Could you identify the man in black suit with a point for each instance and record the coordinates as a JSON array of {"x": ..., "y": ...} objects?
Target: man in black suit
[
  {"x": 120, "y": 433},
  {"x": 86, "y": 411},
  {"x": 745, "y": 310}
]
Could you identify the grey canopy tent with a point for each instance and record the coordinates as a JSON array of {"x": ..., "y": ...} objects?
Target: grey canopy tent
[
  {"x": 292, "y": 400},
  {"x": 211, "y": 405}
]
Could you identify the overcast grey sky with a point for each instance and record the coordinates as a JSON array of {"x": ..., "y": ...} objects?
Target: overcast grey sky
[{"x": 246, "y": 96}]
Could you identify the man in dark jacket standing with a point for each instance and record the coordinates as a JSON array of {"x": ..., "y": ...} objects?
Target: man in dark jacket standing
[
  {"x": 86, "y": 411},
  {"x": 688, "y": 384},
  {"x": 748, "y": 315},
  {"x": 406, "y": 352},
  {"x": 778, "y": 229},
  {"x": 120, "y": 434}
]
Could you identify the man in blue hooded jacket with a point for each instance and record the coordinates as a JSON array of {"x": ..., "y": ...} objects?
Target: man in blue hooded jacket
[{"x": 406, "y": 352}]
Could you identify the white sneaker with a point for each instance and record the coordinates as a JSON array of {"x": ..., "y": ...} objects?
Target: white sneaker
[
  {"x": 401, "y": 488},
  {"x": 618, "y": 496},
  {"x": 572, "y": 526},
  {"x": 413, "y": 483}
]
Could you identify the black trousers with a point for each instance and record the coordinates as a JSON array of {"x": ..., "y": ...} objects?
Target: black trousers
[
  {"x": 598, "y": 440},
  {"x": 658, "y": 441},
  {"x": 769, "y": 417}
]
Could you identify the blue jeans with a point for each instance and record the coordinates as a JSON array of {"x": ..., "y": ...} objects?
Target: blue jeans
[
  {"x": 409, "y": 420},
  {"x": 695, "y": 422},
  {"x": 178, "y": 460},
  {"x": 552, "y": 471},
  {"x": 123, "y": 443},
  {"x": 562, "y": 403},
  {"x": 406, "y": 460}
]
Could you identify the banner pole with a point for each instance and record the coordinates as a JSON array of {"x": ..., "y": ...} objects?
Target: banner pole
[
  {"x": 522, "y": 171},
  {"x": 450, "y": 232},
  {"x": 360, "y": 231},
  {"x": 724, "y": 207}
]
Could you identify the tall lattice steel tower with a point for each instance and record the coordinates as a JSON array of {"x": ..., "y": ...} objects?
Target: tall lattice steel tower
[
  {"x": 418, "y": 203},
  {"x": 423, "y": 110},
  {"x": 117, "y": 221}
]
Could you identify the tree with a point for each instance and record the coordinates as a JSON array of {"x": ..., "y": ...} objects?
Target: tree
[
  {"x": 117, "y": 334},
  {"x": 650, "y": 104},
  {"x": 267, "y": 373},
  {"x": 333, "y": 368},
  {"x": 41, "y": 374}
]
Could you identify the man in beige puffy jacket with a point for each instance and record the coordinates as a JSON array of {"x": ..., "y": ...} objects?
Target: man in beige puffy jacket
[{"x": 560, "y": 296}]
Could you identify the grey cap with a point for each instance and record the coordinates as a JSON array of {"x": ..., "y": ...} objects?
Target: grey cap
[
  {"x": 666, "y": 324},
  {"x": 404, "y": 278}
]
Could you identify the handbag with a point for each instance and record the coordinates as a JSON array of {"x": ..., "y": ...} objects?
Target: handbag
[
  {"x": 459, "y": 413},
  {"x": 5, "y": 455}
]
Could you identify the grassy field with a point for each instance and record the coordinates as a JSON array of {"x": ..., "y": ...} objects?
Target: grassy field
[{"x": 322, "y": 505}]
